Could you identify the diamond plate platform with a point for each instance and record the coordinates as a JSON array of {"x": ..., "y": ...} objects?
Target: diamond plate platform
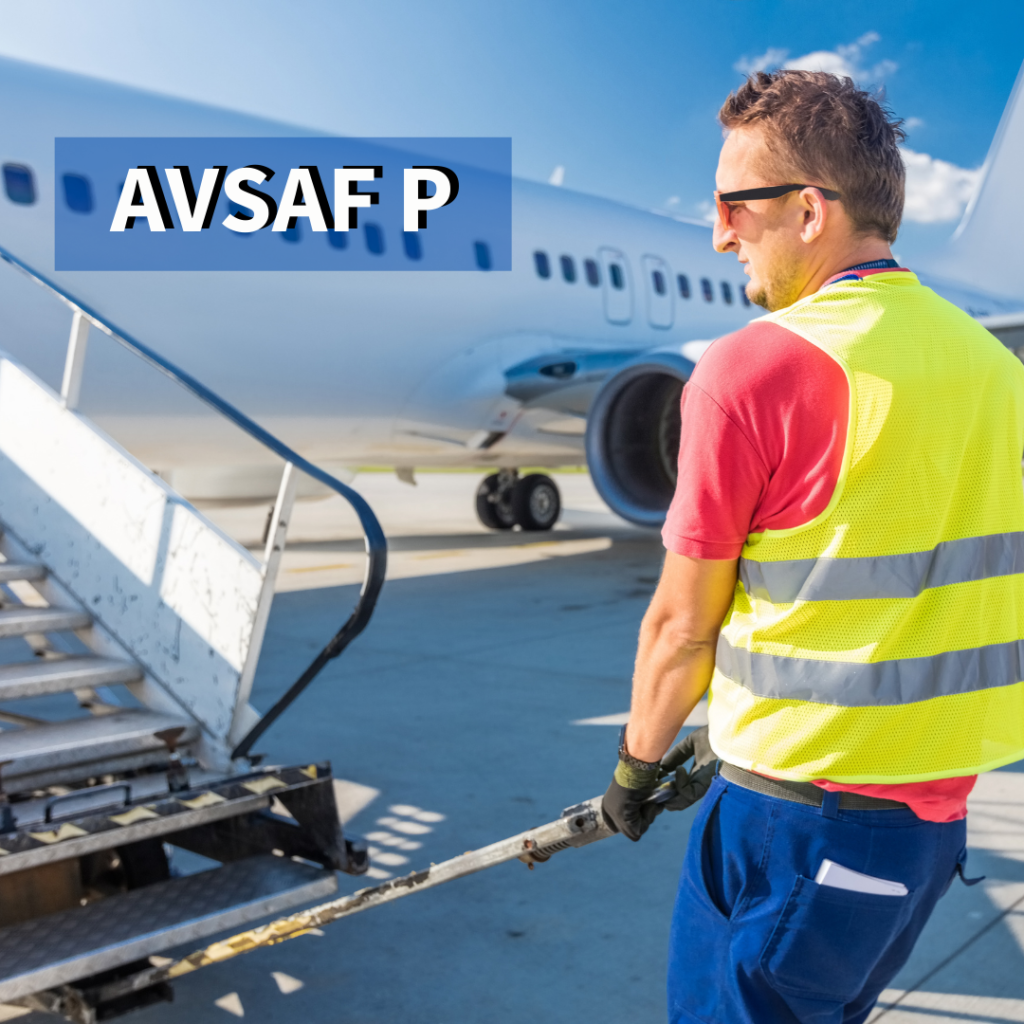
[{"x": 73, "y": 944}]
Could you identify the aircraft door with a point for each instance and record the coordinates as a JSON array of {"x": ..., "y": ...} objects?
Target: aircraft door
[
  {"x": 658, "y": 289},
  {"x": 618, "y": 286}
]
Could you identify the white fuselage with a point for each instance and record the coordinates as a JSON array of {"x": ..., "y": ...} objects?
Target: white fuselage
[{"x": 350, "y": 368}]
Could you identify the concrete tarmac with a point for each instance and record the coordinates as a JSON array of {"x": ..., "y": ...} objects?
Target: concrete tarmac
[{"x": 452, "y": 721}]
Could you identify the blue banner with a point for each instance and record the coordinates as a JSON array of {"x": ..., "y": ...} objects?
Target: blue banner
[{"x": 283, "y": 204}]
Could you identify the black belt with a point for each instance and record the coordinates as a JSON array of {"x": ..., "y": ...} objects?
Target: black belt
[{"x": 803, "y": 792}]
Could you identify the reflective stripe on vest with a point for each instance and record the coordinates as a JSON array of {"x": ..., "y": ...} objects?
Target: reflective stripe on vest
[
  {"x": 848, "y": 579},
  {"x": 855, "y": 684},
  {"x": 884, "y": 641}
]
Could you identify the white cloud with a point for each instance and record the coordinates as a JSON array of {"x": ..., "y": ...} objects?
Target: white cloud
[
  {"x": 936, "y": 189},
  {"x": 557, "y": 176},
  {"x": 707, "y": 211},
  {"x": 771, "y": 58},
  {"x": 846, "y": 60},
  {"x": 913, "y": 122}
]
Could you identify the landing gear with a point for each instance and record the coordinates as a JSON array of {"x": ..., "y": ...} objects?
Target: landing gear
[
  {"x": 494, "y": 500},
  {"x": 503, "y": 500},
  {"x": 536, "y": 502}
]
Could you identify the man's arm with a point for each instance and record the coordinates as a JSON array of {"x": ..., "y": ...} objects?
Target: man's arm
[
  {"x": 676, "y": 652},
  {"x": 674, "y": 662},
  {"x": 762, "y": 436}
]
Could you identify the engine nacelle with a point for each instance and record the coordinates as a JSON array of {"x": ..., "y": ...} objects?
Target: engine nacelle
[{"x": 633, "y": 435}]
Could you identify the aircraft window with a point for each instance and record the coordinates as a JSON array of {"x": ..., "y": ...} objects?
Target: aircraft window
[
  {"x": 705, "y": 287},
  {"x": 411, "y": 241},
  {"x": 77, "y": 193},
  {"x": 337, "y": 239},
  {"x": 293, "y": 234},
  {"x": 593, "y": 273},
  {"x": 18, "y": 183},
  {"x": 540, "y": 261},
  {"x": 568, "y": 268},
  {"x": 684, "y": 286},
  {"x": 658, "y": 280},
  {"x": 742, "y": 289},
  {"x": 726, "y": 293},
  {"x": 375, "y": 239},
  {"x": 618, "y": 278},
  {"x": 483, "y": 255}
]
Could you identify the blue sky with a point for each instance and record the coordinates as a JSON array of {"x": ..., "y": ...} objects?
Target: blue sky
[{"x": 622, "y": 96}]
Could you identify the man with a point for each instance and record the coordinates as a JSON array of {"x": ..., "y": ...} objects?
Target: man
[{"x": 845, "y": 568}]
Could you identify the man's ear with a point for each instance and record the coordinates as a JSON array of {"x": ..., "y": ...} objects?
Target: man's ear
[{"x": 815, "y": 214}]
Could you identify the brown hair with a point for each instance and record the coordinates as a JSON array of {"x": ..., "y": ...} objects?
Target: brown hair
[{"x": 824, "y": 129}]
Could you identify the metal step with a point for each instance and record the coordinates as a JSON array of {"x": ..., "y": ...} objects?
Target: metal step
[
  {"x": 66, "y": 751},
  {"x": 149, "y": 786},
  {"x": 21, "y": 621},
  {"x": 13, "y": 571},
  {"x": 59, "y": 675},
  {"x": 63, "y": 947},
  {"x": 98, "y": 818}
]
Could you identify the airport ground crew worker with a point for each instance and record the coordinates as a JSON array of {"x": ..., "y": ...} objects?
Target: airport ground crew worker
[{"x": 845, "y": 570}]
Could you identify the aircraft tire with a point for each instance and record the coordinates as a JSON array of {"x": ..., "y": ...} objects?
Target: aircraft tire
[
  {"x": 493, "y": 508},
  {"x": 536, "y": 502}
]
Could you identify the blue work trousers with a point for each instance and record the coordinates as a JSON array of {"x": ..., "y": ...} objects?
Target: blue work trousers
[{"x": 755, "y": 940}]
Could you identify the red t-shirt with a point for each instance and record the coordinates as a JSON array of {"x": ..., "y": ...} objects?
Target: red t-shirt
[{"x": 763, "y": 433}]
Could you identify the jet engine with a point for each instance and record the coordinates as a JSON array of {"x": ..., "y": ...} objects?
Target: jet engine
[{"x": 633, "y": 435}]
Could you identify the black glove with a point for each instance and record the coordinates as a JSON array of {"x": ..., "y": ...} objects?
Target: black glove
[
  {"x": 690, "y": 785},
  {"x": 623, "y": 806}
]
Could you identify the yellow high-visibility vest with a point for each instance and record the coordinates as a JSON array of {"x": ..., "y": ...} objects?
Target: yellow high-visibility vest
[{"x": 883, "y": 641}]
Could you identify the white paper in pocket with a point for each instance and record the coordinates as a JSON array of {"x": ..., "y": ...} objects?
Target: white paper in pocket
[{"x": 835, "y": 875}]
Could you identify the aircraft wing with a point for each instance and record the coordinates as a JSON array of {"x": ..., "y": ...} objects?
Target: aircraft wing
[{"x": 1008, "y": 328}]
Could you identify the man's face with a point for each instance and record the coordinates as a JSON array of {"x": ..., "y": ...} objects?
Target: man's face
[{"x": 764, "y": 233}]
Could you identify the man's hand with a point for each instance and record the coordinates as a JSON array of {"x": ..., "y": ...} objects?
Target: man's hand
[
  {"x": 623, "y": 805},
  {"x": 690, "y": 785}
]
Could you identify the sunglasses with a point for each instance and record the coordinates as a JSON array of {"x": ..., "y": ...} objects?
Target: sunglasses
[{"x": 723, "y": 199}]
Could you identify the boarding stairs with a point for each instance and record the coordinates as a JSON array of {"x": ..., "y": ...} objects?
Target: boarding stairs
[
  {"x": 117, "y": 592},
  {"x": 130, "y": 631}
]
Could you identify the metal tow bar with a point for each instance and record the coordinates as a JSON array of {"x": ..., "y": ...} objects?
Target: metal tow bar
[{"x": 578, "y": 826}]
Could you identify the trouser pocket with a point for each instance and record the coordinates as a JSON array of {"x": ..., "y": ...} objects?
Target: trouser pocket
[
  {"x": 827, "y": 941},
  {"x": 699, "y": 855}
]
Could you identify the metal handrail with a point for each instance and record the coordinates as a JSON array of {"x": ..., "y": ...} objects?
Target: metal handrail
[{"x": 376, "y": 544}]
